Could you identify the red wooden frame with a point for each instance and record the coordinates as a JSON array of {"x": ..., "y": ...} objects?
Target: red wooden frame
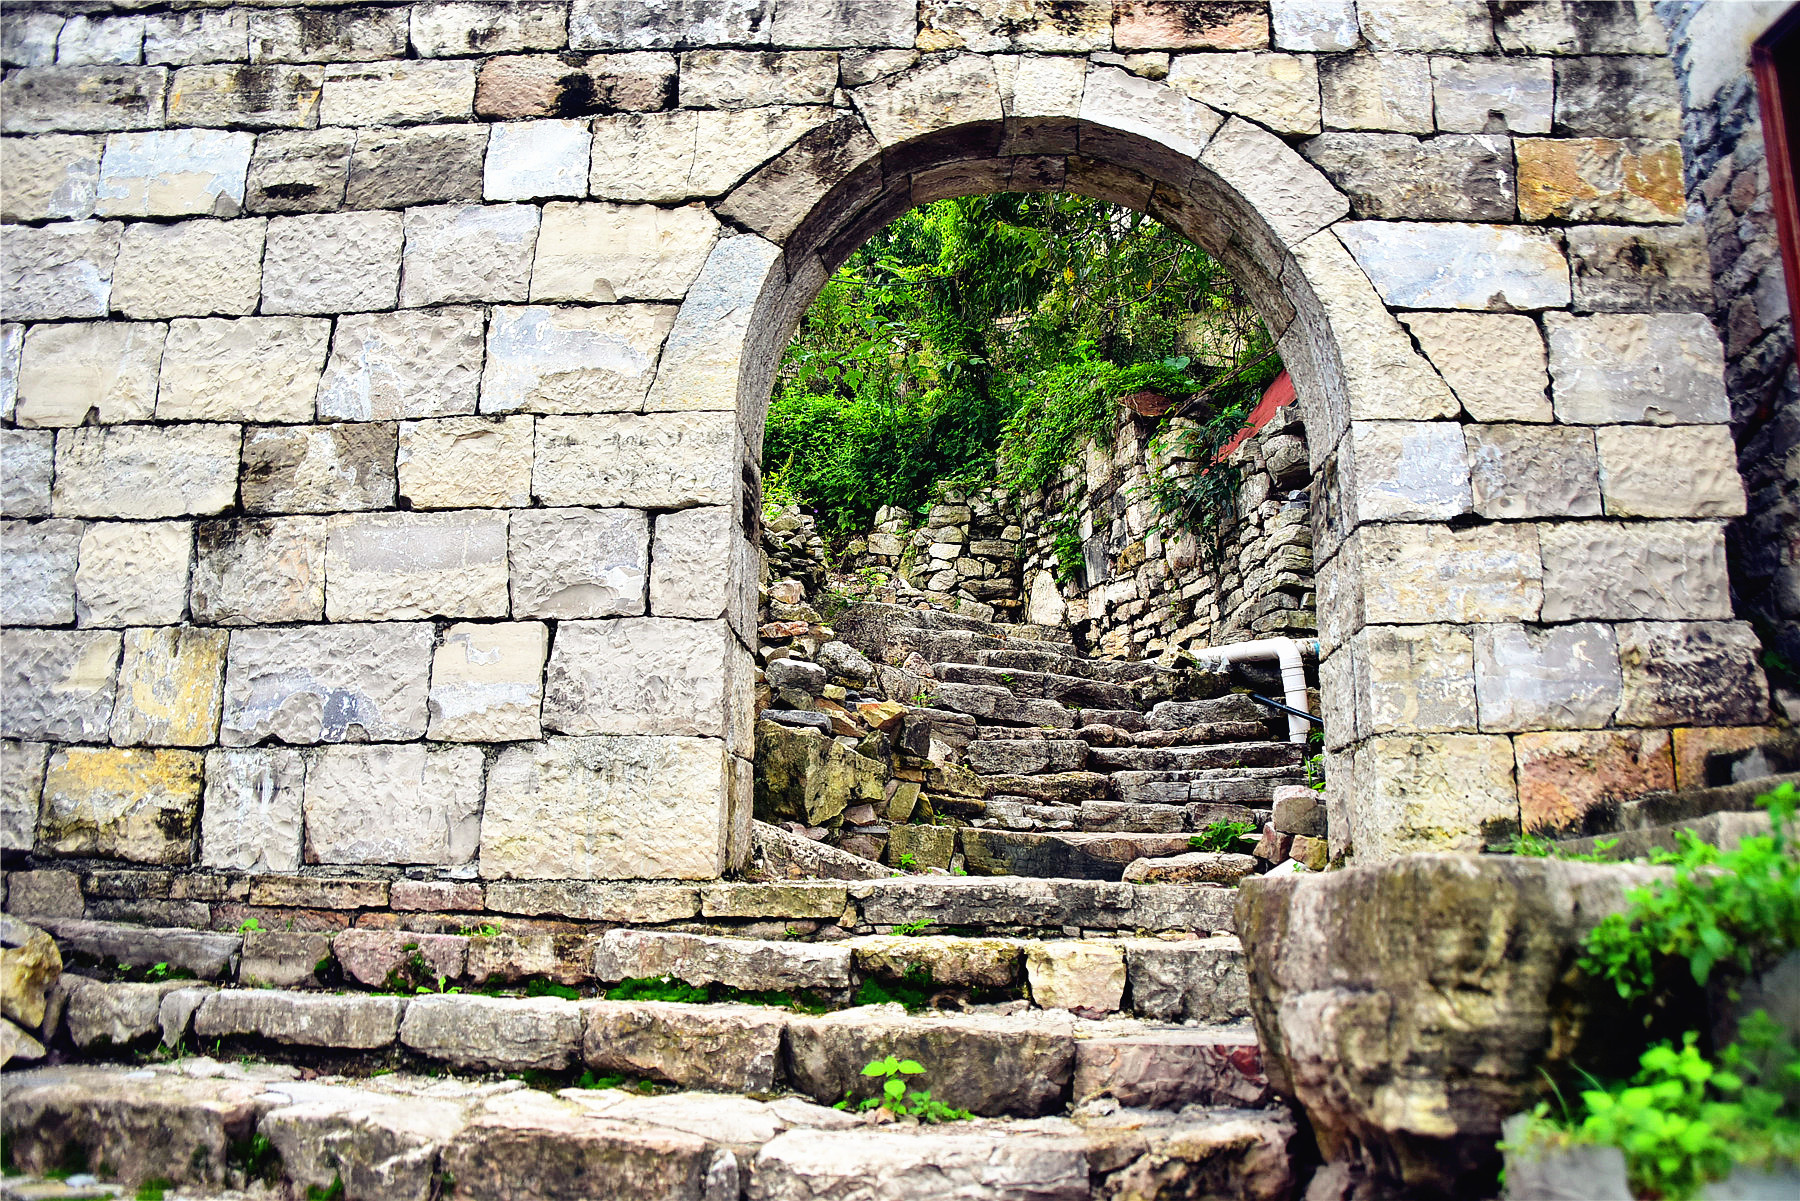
[{"x": 1775, "y": 58}]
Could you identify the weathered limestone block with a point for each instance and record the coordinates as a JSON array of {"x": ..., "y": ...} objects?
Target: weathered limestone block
[
  {"x": 1376, "y": 91},
  {"x": 1416, "y": 678},
  {"x": 1195, "y": 980},
  {"x": 1419, "y": 574},
  {"x": 1685, "y": 471},
  {"x": 1663, "y": 368},
  {"x": 658, "y": 460},
  {"x": 487, "y": 682},
  {"x": 1194, "y": 867},
  {"x": 1116, "y": 100},
  {"x": 374, "y": 957},
  {"x": 734, "y": 962},
  {"x": 426, "y": 164},
  {"x": 1406, "y": 471},
  {"x": 57, "y": 271},
  {"x": 393, "y": 804},
  {"x": 21, "y": 791},
  {"x": 1533, "y": 471},
  {"x": 1566, "y": 775},
  {"x": 1488, "y": 95},
  {"x": 1280, "y": 91},
  {"x": 342, "y": 1021},
  {"x": 392, "y": 365},
  {"x": 403, "y": 92},
  {"x": 28, "y": 39},
  {"x": 1380, "y": 1010},
  {"x": 1162, "y": 25},
  {"x": 88, "y": 372},
  {"x": 27, "y": 461},
  {"x": 253, "y": 369},
  {"x": 466, "y": 461},
  {"x": 1167, "y": 1069},
  {"x": 537, "y": 1146},
  {"x": 1075, "y": 975},
  {"x": 641, "y": 675},
  {"x": 171, "y": 687},
  {"x": 579, "y": 562},
  {"x": 29, "y": 966},
  {"x": 1617, "y": 97},
  {"x": 570, "y": 85},
  {"x": 1626, "y": 268},
  {"x": 774, "y": 201},
  {"x": 1494, "y": 363},
  {"x": 335, "y": 35},
  {"x": 494, "y": 1033},
  {"x": 259, "y": 572},
  {"x": 1447, "y": 178},
  {"x": 546, "y": 359},
  {"x": 586, "y": 900},
  {"x": 1555, "y": 677},
  {"x": 951, "y": 961},
  {"x": 985, "y": 26},
  {"x": 446, "y": 30},
  {"x": 218, "y": 35},
  {"x": 732, "y": 1048},
  {"x": 1431, "y": 792},
  {"x": 1566, "y": 29},
  {"x": 536, "y": 160},
  {"x": 91, "y": 40},
  {"x": 195, "y": 268},
  {"x": 1612, "y": 571},
  {"x": 50, "y": 178},
  {"x": 133, "y": 573},
  {"x": 736, "y": 79},
  {"x": 673, "y": 156},
  {"x": 842, "y": 23},
  {"x": 699, "y": 368},
  {"x": 82, "y": 99},
  {"x": 174, "y": 173},
  {"x": 260, "y": 96},
  {"x": 59, "y": 684},
  {"x": 690, "y": 572},
  {"x": 1314, "y": 24},
  {"x": 332, "y": 263},
  {"x": 373, "y": 1144},
  {"x": 920, "y": 846},
  {"x": 319, "y": 469},
  {"x": 37, "y": 571},
  {"x": 1599, "y": 179},
  {"x": 380, "y": 566},
  {"x": 326, "y": 683},
  {"x": 1454, "y": 266},
  {"x": 118, "y": 1015},
  {"x": 606, "y": 252},
  {"x": 1691, "y": 673},
  {"x": 299, "y": 172},
  {"x": 607, "y": 808},
  {"x": 283, "y": 958},
  {"x": 458, "y": 253},
  {"x": 252, "y": 817},
  {"x": 440, "y": 896},
  {"x": 138, "y": 805}
]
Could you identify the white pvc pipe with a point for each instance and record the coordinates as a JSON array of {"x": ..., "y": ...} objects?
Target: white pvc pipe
[{"x": 1293, "y": 673}]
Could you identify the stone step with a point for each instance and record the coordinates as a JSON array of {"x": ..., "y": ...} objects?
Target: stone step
[
  {"x": 1052, "y": 788},
  {"x": 406, "y": 1137},
  {"x": 1027, "y": 756},
  {"x": 1233, "y": 706},
  {"x": 1218, "y": 756},
  {"x": 1075, "y": 691},
  {"x": 1249, "y": 786},
  {"x": 991, "y": 703},
  {"x": 1666, "y": 808},
  {"x": 1079, "y": 855},
  {"x": 1015, "y": 658}
]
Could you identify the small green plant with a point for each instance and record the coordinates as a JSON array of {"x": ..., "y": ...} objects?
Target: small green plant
[
  {"x": 485, "y": 930},
  {"x": 255, "y": 1157},
  {"x": 153, "y": 1189},
  {"x": 913, "y": 927},
  {"x": 1533, "y": 846},
  {"x": 1222, "y": 836},
  {"x": 589, "y": 1079},
  {"x": 332, "y": 1192},
  {"x": 156, "y": 972},
  {"x": 1315, "y": 772},
  {"x": 249, "y": 926},
  {"x": 908, "y": 859},
  {"x": 656, "y": 988},
  {"x": 537, "y": 986},
  {"x": 898, "y": 1099}
]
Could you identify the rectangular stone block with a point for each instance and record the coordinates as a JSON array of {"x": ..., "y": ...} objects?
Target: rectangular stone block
[
  {"x": 146, "y": 471},
  {"x": 459, "y": 253},
  {"x": 258, "y": 572},
  {"x": 545, "y": 359},
  {"x": 736, "y": 79},
  {"x": 1566, "y": 776},
  {"x": 306, "y": 684},
  {"x": 407, "y": 92},
  {"x": 1471, "y": 95},
  {"x": 382, "y": 566},
  {"x": 251, "y": 818},
  {"x": 1376, "y": 91},
  {"x": 319, "y": 469},
  {"x": 138, "y": 805},
  {"x": 301, "y": 1019},
  {"x": 1414, "y": 679},
  {"x": 428, "y": 164},
  {"x": 459, "y": 462},
  {"x": 640, "y": 25},
  {"x": 653, "y": 461},
  {"x": 191, "y": 269},
  {"x": 641, "y": 675},
  {"x": 393, "y": 804},
  {"x": 1405, "y": 471},
  {"x": 842, "y": 23},
  {"x": 58, "y": 684},
  {"x": 438, "y": 896},
  {"x": 1665, "y": 368},
  {"x": 299, "y": 172},
  {"x": 332, "y": 263},
  {"x": 606, "y": 252},
  {"x": 202, "y": 36},
  {"x": 94, "y": 40},
  {"x": 1432, "y": 792},
  {"x": 1614, "y": 96},
  {"x": 21, "y": 792},
  {"x": 691, "y": 568},
  {"x": 171, "y": 687},
  {"x": 82, "y": 99},
  {"x": 88, "y": 372},
  {"x": 626, "y": 902},
  {"x": 385, "y": 366},
  {"x": 572, "y": 85},
  {"x": 28, "y": 38},
  {"x": 1600, "y": 179},
  {"x": 1556, "y": 677},
  {"x": 1518, "y": 471},
  {"x": 1684, "y": 471},
  {"x": 257, "y": 96},
  {"x": 669, "y": 157},
  {"x": 1451, "y": 266},
  {"x": 1278, "y": 91},
  {"x": 532, "y": 160},
  {"x": 1562, "y": 27},
  {"x": 1177, "y": 25},
  {"x": 607, "y": 808},
  {"x": 1452, "y": 177},
  {"x": 487, "y": 682},
  {"x": 1417, "y": 574},
  {"x": 58, "y": 271},
  {"x": 1626, "y": 268},
  {"x": 37, "y": 571},
  {"x": 1705, "y": 673},
  {"x": 579, "y": 562},
  {"x": 446, "y": 30},
  {"x": 12, "y": 341},
  {"x": 257, "y": 368},
  {"x": 174, "y": 173},
  {"x": 328, "y": 35},
  {"x": 1613, "y": 571},
  {"x": 27, "y": 459},
  {"x": 50, "y": 178}
]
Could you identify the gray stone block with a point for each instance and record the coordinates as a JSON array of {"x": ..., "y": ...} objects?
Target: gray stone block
[
  {"x": 1376, "y": 91},
  {"x": 203, "y": 36},
  {"x": 252, "y": 818},
  {"x": 59, "y": 684},
  {"x": 332, "y": 263},
  {"x": 734, "y": 962},
  {"x": 27, "y": 458},
  {"x": 174, "y": 173},
  {"x": 1611, "y": 571},
  {"x": 732, "y": 1048},
  {"x": 642, "y": 675},
  {"x": 82, "y": 99},
  {"x": 545, "y": 359},
  {"x": 381, "y": 566},
  {"x": 461, "y": 253},
  {"x": 1533, "y": 471},
  {"x": 342, "y": 1021},
  {"x": 385, "y": 366},
  {"x": 1487, "y": 95},
  {"x": 1691, "y": 673},
  {"x": 446, "y": 30},
  {"x": 1445, "y": 266},
  {"x": 658, "y": 460},
  {"x": 37, "y": 565},
  {"x": 1537, "y": 678},
  {"x": 533, "y": 160},
  {"x": 571, "y": 85},
  {"x": 429, "y": 801},
  {"x": 495, "y": 1033},
  {"x": 299, "y": 172},
  {"x": 51, "y": 177},
  {"x": 88, "y": 373},
  {"x": 328, "y": 36},
  {"x": 1447, "y": 178},
  {"x": 319, "y": 469},
  {"x": 58, "y": 271},
  {"x": 305, "y": 684},
  {"x": 425, "y": 164},
  {"x": 1665, "y": 368},
  {"x": 260, "y": 96},
  {"x": 191, "y": 269},
  {"x": 579, "y": 562},
  {"x": 256, "y": 572},
  {"x": 142, "y": 471},
  {"x": 404, "y": 92}
]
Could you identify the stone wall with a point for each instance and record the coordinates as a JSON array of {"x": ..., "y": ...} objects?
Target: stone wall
[
  {"x": 384, "y": 389},
  {"x": 1728, "y": 181}
]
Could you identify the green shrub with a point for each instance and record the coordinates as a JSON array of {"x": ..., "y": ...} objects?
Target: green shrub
[
  {"x": 1221, "y": 836},
  {"x": 897, "y": 1098}
]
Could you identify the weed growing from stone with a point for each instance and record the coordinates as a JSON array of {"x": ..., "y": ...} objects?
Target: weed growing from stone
[
  {"x": 667, "y": 988},
  {"x": 540, "y": 987},
  {"x": 153, "y": 1190},
  {"x": 898, "y": 1099},
  {"x": 485, "y": 930},
  {"x": 918, "y": 927},
  {"x": 1533, "y": 846},
  {"x": 333, "y": 1192},
  {"x": 1221, "y": 836},
  {"x": 249, "y": 926},
  {"x": 908, "y": 859}
]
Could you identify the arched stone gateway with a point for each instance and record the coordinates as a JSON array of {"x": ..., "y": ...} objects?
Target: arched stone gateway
[{"x": 377, "y": 505}]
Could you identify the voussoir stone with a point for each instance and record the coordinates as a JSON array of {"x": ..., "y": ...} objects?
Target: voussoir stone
[
  {"x": 495, "y": 1033},
  {"x": 733, "y": 1048},
  {"x": 342, "y": 1021}
]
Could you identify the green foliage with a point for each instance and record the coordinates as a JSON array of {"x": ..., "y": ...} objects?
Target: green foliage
[
  {"x": 333, "y": 1192},
  {"x": 898, "y": 1099},
  {"x": 589, "y": 1079},
  {"x": 485, "y": 930},
  {"x": 255, "y": 1158},
  {"x": 537, "y": 986},
  {"x": 655, "y": 988},
  {"x": 153, "y": 1189},
  {"x": 1221, "y": 836},
  {"x": 914, "y": 927},
  {"x": 914, "y": 990},
  {"x": 1740, "y": 908},
  {"x": 667, "y": 988},
  {"x": 249, "y": 926},
  {"x": 1533, "y": 846},
  {"x": 908, "y": 860}
]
